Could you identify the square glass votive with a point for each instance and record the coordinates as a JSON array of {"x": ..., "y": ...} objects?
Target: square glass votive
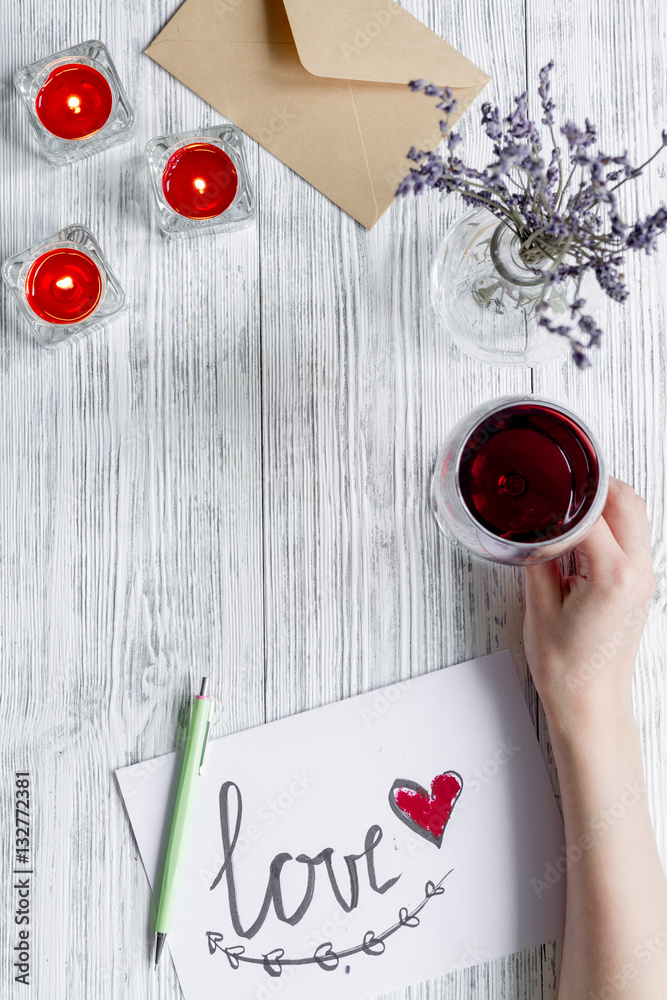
[
  {"x": 75, "y": 102},
  {"x": 200, "y": 181},
  {"x": 64, "y": 286}
]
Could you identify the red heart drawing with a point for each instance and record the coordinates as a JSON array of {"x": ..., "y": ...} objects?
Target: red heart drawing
[{"x": 426, "y": 814}]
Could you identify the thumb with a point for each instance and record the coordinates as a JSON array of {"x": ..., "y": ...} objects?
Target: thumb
[{"x": 597, "y": 553}]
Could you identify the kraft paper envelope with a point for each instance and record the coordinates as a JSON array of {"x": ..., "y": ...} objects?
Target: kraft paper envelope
[{"x": 321, "y": 84}]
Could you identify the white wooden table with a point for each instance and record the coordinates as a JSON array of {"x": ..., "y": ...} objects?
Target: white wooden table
[{"x": 234, "y": 479}]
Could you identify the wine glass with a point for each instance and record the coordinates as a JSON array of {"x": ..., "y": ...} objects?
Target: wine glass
[{"x": 520, "y": 480}]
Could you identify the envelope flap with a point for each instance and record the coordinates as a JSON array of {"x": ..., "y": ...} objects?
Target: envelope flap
[{"x": 374, "y": 40}]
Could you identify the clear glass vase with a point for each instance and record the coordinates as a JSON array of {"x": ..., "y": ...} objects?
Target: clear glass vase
[{"x": 485, "y": 296}]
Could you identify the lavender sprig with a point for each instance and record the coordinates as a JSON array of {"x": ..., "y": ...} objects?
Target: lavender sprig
[{"x": 567, "y": 223}]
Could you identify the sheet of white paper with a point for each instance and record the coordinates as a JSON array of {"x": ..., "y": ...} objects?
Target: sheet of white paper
[{"x": 322, "y": 780}]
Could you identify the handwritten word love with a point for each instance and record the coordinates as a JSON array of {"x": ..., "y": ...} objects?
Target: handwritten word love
[{"x": 277, "y": 870}]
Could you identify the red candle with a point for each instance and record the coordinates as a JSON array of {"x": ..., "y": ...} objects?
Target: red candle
[
  {"x": 63, "y": 286},
  {"x": 199, "y": 181},
  {"x": 74, "y": 102}
]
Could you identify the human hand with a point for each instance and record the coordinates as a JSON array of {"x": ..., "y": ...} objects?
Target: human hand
[{"x": 581, "y": 632}]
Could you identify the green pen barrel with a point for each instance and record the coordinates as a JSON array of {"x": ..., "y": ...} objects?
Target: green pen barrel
[{"x": 185, "y": 797}]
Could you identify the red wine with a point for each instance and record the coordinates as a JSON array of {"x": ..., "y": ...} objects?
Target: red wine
[{"x": 528, "y": 473}]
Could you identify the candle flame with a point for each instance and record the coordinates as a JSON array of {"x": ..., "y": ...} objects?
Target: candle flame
[
  {"x": 65, "y": 282},
  {"x": 74, "y": 104},
  {"x": 200, "y": 184}
]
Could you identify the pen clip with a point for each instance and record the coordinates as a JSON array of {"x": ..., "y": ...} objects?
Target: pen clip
[{"x": 203, "y": 749}]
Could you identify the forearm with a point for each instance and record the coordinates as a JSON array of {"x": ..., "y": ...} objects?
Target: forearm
[{"x": 616, "y": 920}]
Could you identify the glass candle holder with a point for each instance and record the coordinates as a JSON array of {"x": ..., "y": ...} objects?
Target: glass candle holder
[
  {"x": 64, "y": 286},
  {"x": 520, "y": 480},
  {"x": 200, "y": 181},
  {"x": 75, "y": 102}
]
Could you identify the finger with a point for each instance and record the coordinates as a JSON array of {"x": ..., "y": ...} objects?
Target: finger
[
  {"x": 625, "y": 513},
  {"x": 544, "y": 587},
  {"x": 597, "y": 553}
]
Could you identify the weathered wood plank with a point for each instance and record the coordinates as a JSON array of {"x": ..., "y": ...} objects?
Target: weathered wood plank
[{"x": 130, "y": 527}]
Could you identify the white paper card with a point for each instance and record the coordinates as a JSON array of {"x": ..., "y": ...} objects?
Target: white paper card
[{"x": 363, "y": 846}]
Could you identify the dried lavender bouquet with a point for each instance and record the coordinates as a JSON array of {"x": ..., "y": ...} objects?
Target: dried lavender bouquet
[{"x": 563, "y": 212}]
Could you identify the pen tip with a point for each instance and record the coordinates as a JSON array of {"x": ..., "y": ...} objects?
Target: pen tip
[
  {"x": 204, "y": 687},
  {"x": 159, "y": 945}
]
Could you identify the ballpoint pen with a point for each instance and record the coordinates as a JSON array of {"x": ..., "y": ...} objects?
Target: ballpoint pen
[{"x": 180, "y": 824}]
